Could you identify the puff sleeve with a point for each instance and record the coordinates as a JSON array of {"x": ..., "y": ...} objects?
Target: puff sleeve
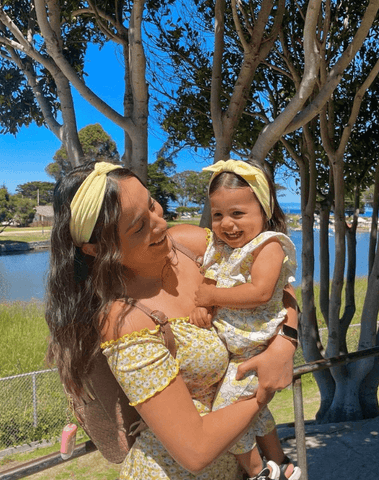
[{"x": 141, "y": 363}]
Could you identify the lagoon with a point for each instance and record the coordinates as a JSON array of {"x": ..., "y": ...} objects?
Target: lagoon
[{"x": 23, "y": 275}]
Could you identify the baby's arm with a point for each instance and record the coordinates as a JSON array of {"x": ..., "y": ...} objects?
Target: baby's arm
[
  {"x": 201, "y": 317},
  {"x": 265, "y": 272}
]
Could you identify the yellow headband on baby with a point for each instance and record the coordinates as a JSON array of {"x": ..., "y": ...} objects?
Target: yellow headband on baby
[
  {"x": 87, "y": 202},
  {"x": 253, "y": 176}
]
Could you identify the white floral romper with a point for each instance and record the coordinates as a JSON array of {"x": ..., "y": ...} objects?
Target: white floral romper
[{"x": 246, "y": 332}]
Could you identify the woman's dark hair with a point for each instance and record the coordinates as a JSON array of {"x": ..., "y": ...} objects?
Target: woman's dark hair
[
  {"x": 81, "y": 288},
  {"x": 277, "y": 223}
]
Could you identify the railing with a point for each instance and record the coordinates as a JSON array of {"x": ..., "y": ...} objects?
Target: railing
[
  {"x": 30, "y": 405},
  {"x": 298, "y": 396},
  {"x": 55, "y": 459}
]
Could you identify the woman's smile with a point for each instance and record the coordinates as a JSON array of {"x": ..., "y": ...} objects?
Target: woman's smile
[
  {"x": 143, "y": 230},
  {"x": 159, "y": 242}
]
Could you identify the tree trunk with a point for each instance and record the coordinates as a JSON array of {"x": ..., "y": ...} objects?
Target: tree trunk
[
  {"x": 137, "y": 69},
  {"x": 324, "y": 261},
  {"x": 368, "y": 391},
  {"x": 345, "y": 406}
]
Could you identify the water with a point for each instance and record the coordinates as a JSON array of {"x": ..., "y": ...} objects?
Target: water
[
  {"x": 295, "y": 209},
  {"x": 22, "y": 276},
  {"x": 363, "y": 240}
]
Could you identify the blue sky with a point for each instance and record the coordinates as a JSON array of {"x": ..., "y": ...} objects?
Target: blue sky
[{"x": 23, "y": 158}]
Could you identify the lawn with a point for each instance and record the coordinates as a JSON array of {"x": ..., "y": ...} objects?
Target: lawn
[{"x": 27, "y": 234}]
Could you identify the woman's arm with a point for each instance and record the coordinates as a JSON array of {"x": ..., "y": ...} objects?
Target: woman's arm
[
  {"x": 274, "y": 366},
  {"x": 194, "y": 441}
]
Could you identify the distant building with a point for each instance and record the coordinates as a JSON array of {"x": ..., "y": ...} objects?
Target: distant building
[{"x": 44, "y": 215}]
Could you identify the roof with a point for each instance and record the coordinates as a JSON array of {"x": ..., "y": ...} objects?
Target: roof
[{"x": 45, "y": 210}]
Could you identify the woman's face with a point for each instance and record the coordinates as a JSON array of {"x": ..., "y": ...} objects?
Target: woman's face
[{"x": 142, "y": 229}]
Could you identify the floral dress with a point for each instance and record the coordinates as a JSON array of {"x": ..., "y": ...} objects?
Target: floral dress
[
  {"x": 246, "y": 332},
  {"x": 143, "y": 366}
]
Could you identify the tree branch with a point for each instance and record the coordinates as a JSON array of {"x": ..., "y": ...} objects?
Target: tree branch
[
  {"x": 216, "y": 82},
  {"x": 53, "y": 48},
  {"x": 336, "y": 72},
  {"x": 272, "y": 133}
]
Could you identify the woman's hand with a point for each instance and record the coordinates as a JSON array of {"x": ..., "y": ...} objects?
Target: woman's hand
[{"x": 274, "y": 368}]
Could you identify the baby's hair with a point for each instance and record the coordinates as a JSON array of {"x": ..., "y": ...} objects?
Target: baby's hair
[{"x": 277, "y": 222}]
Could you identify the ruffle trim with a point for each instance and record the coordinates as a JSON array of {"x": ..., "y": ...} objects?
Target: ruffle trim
[
  {"x": 130, "y": 336},
  {"x": 142, "y": 333},
  {"x": 209, "y": 235},
  {"x": 161, "y": 388}
]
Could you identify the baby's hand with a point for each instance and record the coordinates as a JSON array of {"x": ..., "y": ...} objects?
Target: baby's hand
[
  {"x": 204, "y": 296},
  {"x": 201, "y": 317}
]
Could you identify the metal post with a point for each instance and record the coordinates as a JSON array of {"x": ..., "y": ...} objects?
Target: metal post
[
  {"x": 35, "y": 417},
  {"x": 299, "y": 428}
]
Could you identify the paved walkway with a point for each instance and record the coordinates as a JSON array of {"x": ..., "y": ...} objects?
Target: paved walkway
[{"x": 338, "y": 451}]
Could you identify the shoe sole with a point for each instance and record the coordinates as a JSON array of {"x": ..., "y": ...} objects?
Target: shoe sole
[{"x": 296, "y": 474}]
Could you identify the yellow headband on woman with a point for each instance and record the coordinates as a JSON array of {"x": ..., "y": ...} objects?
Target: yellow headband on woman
[
  {"x": 253, "y": 176},
  {"x": 87, "y": 202}
]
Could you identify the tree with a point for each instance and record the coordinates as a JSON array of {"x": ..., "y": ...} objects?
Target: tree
[
  {"x": 40, "y": 192},
  {"x": 323, "y": 64},
  {"x": 197, "y": 187},
  {"x": 368, "y": 196},
  {"x": 42, "y": 47},
  {"x": 159, "y": 184},
  {"x": 6, "y": 208},
  {"x": 191, "y": 187},
  {"x": 327, "y": 171},
  {"x": 15, "y": 209},
  {"x": 24, "y": 210},
  {"x": 96, "y": 145}
]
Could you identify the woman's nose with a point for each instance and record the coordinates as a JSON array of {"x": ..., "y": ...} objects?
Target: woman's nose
[{"x": 159, "y": 224}]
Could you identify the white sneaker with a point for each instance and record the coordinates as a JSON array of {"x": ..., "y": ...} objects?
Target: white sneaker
[
  {"x": 266, "y": 474},
  {"x": 296, "y": 474}
]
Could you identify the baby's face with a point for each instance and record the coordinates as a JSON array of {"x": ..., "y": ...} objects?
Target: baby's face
[{"x": 237, "y": 215}]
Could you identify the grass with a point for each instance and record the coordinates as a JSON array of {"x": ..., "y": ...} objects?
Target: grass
[
  {"x": 360, "y": 293},
  {"x": 191, "y": 221},
  {"x": 25, "y": 229},
  {"x": 25, "y": 234},
  {"x": 23, "y": 339},
  {"x": 89, "y": 467}
]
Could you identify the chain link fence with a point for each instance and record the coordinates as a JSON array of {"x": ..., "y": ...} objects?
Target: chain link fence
[{"x": 33, "y": 407}]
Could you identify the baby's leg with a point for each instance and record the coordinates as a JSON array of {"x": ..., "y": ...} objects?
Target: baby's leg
[
  {"x": 231, "y": 390},
  {"x": 251, "y": 462},
  {"x": 271, "y": 449}
]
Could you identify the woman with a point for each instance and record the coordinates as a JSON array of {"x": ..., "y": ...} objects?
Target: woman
[{"x": 110, "y": 243}]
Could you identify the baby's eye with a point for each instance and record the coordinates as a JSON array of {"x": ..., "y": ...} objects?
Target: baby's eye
[
  {"x": 152, "y": 205},
  {"x": 237, "y": 213}
]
